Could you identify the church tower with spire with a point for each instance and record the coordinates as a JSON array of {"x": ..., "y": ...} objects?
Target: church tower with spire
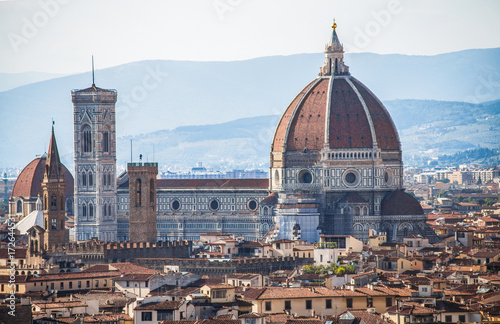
[
  {"x": 95, "y": 163},
  {"x": 53, "y": 190}
]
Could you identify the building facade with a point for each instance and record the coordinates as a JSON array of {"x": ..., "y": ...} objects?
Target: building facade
[
  {"x": 190, "y": 207},
  {"x": 95, "y": 163}
]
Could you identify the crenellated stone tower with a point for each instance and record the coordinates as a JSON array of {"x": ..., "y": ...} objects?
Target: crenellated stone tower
[
  {"x": 95, "y": 163},
  {"x": 142, "y": 201}
]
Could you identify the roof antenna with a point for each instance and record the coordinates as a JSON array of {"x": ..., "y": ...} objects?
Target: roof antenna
[{"x": 93, "y": 82}]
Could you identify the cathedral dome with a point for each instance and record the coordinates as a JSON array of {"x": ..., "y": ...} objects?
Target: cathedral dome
[
  {"x": 335, "y": 111},
  {"x": 28, "y": 183},
  {"x": 401, "y": 203}
]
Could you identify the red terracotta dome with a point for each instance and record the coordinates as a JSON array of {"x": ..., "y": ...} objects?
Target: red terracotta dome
[
  {"x": 338, "y": 112},
  {"x": 335, "y": 111},
  {"x": 28, "y": 184}
]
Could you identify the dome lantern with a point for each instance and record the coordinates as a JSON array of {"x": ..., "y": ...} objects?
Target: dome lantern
[{"x": 334, "y": 56}]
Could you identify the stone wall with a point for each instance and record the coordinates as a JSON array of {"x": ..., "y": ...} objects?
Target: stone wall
[{"x": 216, "y": 267}]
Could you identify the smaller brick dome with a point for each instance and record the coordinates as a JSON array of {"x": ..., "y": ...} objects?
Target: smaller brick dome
[
  {"x": 29, "y": 181},
  {"x": 401, "y": 203}
]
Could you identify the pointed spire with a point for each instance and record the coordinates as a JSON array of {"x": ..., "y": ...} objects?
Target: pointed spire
[
  {"x": 93, "y": 80},
  {"x": 334, "y": 41},
  {"x": 53, "y": 166}
]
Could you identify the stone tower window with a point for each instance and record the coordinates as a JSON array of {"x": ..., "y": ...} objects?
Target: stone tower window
[
  {"x": 87, "y": 139},
  {"x": 151, "y": 192},
  {"x": 54, "y": 224},
  {"x": 138, "y": 193},
  {"x": 91, "y": 210},
  {"x": 53, "y": 203},
  {"x": 105, "y": 141},
  {"x": 19, "y": 207},
  {"x": 91, "y": 179},
  {"x": 84, "y": 179},
  {"x": 84, "y": 210}
]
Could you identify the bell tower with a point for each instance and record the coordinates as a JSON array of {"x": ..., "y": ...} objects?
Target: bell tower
[
  {"x": 142, "y": 201},
  {"x": 53, "y": 190},
  {"x": 95, "y": 163}
]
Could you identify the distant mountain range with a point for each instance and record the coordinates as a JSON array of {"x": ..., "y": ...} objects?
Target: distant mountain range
[
  {"x": 13, "y": 80},
  {"x": 159, "y": 98},
  {"x": 426, "y": 128}
]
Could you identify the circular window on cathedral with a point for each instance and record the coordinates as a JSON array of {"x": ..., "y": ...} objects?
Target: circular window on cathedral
[
  {"x": 175, "y": 205},
  {"x": 252, "y": 205},
  {"x": 351, "y": 177},
  {"x": 214, "y": 204},
  {"x": 305, "y": 176}
]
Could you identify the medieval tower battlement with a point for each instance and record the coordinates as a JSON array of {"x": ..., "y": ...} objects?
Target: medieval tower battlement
[{"x": 142, "y": 201}]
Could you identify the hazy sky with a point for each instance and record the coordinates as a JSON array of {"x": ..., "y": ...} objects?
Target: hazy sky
[{"x": 60, "y": 35}]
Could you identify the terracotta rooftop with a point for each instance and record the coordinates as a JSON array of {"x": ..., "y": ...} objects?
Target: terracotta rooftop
[
  {"x": 134, "y": 277},
  {"x": 163, "y": 305},
  {"x": 19, "y": 253},
  {"x": 210, "y": 183}
]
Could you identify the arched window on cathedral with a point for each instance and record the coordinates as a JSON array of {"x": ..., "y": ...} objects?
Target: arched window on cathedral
[
  {"x": 19, "y": 207},
  {"x": 84, "y": 211},
  {"x": 138, "y": 193},
  {"x": 91, "y": 211},
  {"x": 104, "y": 179},
  {"x": 356, "y": 211},
  {"x": 87, "y": 139},
  {"x": 109, "y": 179},
  {"x": 151, "y": 192},
  {"x": 105, "y": 141},
  {"x": 109, "y": 210},
  {"x": 105, "y": 210},
  {"x": 91, "y": 179},
  {"x": 84, "y": 179}
]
